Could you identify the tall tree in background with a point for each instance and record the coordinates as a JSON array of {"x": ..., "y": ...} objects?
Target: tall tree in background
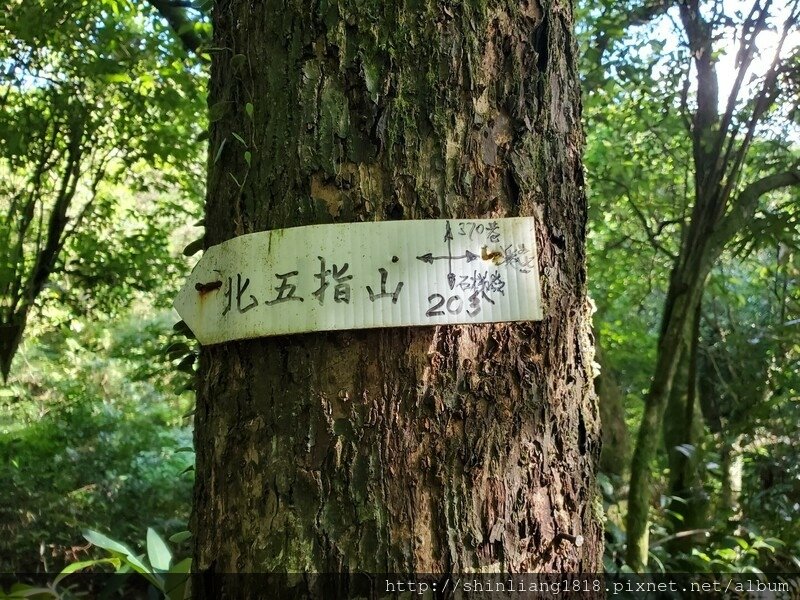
[
  {"x": 723, "y": 206},
  {"x": 725, "y": 185},
  {"x": 434, "y": 449}
]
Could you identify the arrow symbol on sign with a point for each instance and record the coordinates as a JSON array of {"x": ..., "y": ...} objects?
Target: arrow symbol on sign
[
  {"x": 448, "y": 237},
  {"x": 429, "y": 257}
]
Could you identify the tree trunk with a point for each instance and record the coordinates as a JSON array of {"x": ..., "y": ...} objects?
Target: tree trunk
[
  {"x": 699, "y": 251},
  {"x": 732, "y": 474},
  {"x": 614, "y": 458},
  {"x": 430, "y": 449},
  {"x": 717, "y": 216},
  {"x": 683, "y": 433}
]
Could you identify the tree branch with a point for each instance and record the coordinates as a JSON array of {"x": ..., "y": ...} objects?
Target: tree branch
[
  {"x": 642, "y": 218},
  {"x": 648, "y": 230},
  {"x": 180, "y": 23},
  {"x": 46, "y": 258},
  {"x": 638, "y": 15},
  {"x": 746, "y": 203},
  {"x": 700, "y": 37},
  {"x": 753, "y": 25},
  {"x": 764, "y": 99}
]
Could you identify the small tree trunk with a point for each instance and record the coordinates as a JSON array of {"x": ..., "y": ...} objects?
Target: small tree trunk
[
  {"x": 683, "y": 434},
  {"x": 614, "y": 457},
  {"x": 10, "y": 340},
  {"x": 684, "y": 293},
  {"x": 732, "y": 473}
]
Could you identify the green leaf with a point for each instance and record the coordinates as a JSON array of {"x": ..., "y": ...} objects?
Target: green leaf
[
  {"x": 136, "y": 563},
  {"x": 77, "y": 566},
  {"x": 179, "y": 538},
  {"x": 157, "y": 551},
  {"x": 117, "y": 78},
  {"x": 176, "y": 349},
  {"x": 249, "y": 110},
  {"x": 186, "y": 28},
  {"x": 686, "y": 449},
  {"x": 106, "y": 543},
  {"x": 219, "y": 150},
  {"x": 183, "y": 566},
  {"x": 22, "y": 590},
  {"x": 240, "y": 138},
  {"x": 185, "y": 366},
  {"x": 176, "y": 580},
  {"x": 248, "y": 157},
  {"x": 188, "y": 387},
  {"x": 728, "y": 554}
]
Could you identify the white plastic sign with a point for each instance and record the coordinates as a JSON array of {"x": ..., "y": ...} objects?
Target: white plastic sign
[{"x": 363, "y": 275}]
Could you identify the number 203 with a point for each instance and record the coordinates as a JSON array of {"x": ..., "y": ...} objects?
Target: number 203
[{"x": 454, "y": 305}]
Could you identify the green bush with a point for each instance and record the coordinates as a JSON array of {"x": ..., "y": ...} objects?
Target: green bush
[{"x": 92, "y": 435}]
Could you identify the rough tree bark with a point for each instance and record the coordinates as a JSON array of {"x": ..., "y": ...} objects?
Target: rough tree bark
[{"x": 433, "y": 449}]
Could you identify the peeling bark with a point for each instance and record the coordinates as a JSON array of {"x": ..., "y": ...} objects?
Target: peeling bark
[{"x": 431, "y": 449}]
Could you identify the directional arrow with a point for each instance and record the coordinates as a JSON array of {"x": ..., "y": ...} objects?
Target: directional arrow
[
  {"x": 429, "y": 257},
  {"x": 451, "y": 277},
  {"x": 448, "y": 237}
]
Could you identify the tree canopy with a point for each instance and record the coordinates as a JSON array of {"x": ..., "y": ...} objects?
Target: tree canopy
[{"x": 96, "y": 95}]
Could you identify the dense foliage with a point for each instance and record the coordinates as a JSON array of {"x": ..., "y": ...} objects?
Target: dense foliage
[
  {"x": 101, "y": 171},
  {"x": 733, "y": 399},
  {"x": 94, "y": 95},
  {"x": 94, "y": 434}
]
